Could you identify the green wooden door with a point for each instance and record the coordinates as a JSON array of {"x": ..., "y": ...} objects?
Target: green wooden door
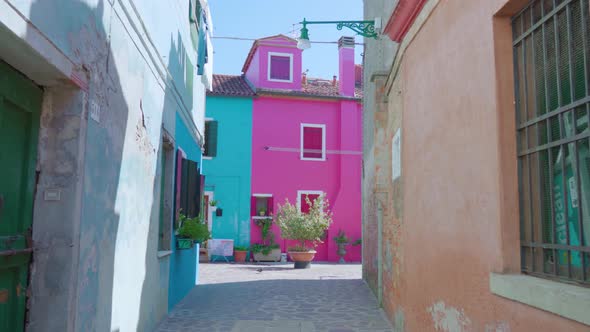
[{"x": 20, "y": 103}]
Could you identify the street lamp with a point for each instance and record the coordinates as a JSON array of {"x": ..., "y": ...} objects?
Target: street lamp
[{"x": 363, "y": 28}]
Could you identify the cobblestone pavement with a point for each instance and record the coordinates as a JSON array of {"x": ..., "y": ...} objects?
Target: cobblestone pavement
[{"x": 277, "y": 298}]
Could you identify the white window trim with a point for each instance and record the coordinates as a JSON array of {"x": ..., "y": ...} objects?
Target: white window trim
[
  {"x": 306, "y": 192},
  {"x": 262, "y": 195},
  {"x": 313, "y": 125},
  {"x": 290, "y": 80},
  {"x": 210, "y": 211},
  {"x": 562, "y": 299}
]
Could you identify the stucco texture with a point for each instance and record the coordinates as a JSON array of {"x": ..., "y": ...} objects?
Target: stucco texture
[
  {"x": 96, "y": 267},
  {"x": 454, "y": 218},
  {"x": 277, "y": 124},
  {"x": 228, "y": 174}
]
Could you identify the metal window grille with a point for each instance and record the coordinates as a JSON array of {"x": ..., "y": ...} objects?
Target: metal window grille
[{"x": 551, "y": 40}]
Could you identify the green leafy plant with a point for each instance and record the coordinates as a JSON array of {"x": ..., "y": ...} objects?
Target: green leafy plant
[
  {"x": 268, "y": 238},
  {"x": 358, "y": 242},
  {"x": 192, "y": 228},
  {"x": 265, "y": 249},
  {"x": 308, "y": 228},
  {"x": 213, "y": 203},
  {"x": 341, "y": 238},
  {"x": 262, "y": 211},
  {"x": 240, "y": 248}
]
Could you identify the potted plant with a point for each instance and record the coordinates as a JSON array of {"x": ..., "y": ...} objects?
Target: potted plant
[
  {"x": 213, "y": 205},
  {"x": 262, "y": 212},
  {"x": 341, "y": 241},
  {"x": 190, "y": 231},
  {"x": 268, "y": 250},
  {"x": 240, "y": 254},
  {"x": 308, "y": 229}
]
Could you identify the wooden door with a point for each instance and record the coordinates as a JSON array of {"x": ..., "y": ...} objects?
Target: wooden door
[{"x": 20, "y": 104}]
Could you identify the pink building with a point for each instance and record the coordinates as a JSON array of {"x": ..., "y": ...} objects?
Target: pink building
[{"x": 306, "y": 138}]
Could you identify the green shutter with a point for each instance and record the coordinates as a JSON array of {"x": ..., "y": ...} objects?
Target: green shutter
[{"x": 211, "y": 139}]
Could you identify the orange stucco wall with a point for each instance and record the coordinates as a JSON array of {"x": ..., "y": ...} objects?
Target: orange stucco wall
[{"x": 459, "y": 217}]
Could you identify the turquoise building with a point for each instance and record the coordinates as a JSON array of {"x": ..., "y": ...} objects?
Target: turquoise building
[{"x": 228, "y": 158}]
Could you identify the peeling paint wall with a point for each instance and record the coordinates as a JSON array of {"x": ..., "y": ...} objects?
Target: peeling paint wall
[
  {"x": 442, "y": 227},
  {"x": 378, "y": 57},
  {"x": 96, "y": 265}
]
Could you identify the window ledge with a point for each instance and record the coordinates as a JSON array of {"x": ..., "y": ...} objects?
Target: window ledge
[
  {"x": 562, "y": 299},
  {"x": 207, "y": 158},
  {"x": 261, "y": 217},
  {"x": 164, "y": 253}
]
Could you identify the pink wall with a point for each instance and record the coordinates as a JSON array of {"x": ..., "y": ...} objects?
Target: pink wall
[
  {"x": 253, "y": 73},
  {"x": 257, "y": 71},
  {"x": 346, "y": 70},
  {"x": 276, "y": 124}
]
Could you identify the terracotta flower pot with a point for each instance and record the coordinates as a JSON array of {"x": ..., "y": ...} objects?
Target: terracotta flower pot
[
  {"x": 240, "y": 256},
  {"x": 302, "y": 259}
]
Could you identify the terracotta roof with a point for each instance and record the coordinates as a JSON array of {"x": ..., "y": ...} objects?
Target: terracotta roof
[
  {"x": 230, "y": 85},
  {"x": 316, "y": 87}
]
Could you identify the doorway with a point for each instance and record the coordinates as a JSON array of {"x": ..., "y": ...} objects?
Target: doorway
[{"x": 20, "y": 105}]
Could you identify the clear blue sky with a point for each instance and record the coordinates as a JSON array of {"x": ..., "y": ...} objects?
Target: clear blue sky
[{"x": 262, "y": 18}]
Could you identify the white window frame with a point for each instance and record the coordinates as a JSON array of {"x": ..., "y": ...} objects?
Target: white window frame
[
  {"x": 306, "y": 192},
  {"x": 270, "y": 54},
  {"x": 313, "y": 125},
  {"x": 210, "y": 211}
]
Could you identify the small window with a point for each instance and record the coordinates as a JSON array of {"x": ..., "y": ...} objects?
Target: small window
[
  {"x": 210, "y": 139},
  {"x": 302, "y": 202},
  {"x": 313, "y": 142},
  {"x": 261, "y": 205},
  {"x": 280, "y": 67}
]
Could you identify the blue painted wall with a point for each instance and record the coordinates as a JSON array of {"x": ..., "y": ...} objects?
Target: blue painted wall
[
  {"x": 102, "y": 236},
  {"x": 228, "y": 174},
  {"x": 183, "y": 263}
]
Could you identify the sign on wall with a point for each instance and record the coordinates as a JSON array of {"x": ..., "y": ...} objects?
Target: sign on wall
[
  {"x": 221, "y": 247},
  {"x": 396, "y": 148}
]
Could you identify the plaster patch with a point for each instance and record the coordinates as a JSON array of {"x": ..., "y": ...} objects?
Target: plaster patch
[
  {"x": 449, "y": 319},
  {"x": 399, "y": 321},
  {"x": 497, "y": 327}
]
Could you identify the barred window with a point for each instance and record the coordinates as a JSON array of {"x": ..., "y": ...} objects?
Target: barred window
[{"x": 551, "y": 41}]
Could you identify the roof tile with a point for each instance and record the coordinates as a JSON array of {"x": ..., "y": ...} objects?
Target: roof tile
[{"x": 230, "y": 85}]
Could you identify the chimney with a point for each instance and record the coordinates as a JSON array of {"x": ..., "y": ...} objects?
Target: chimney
[
  {"x": 334, "y": 80},
  {"x": 358, "y": 75},
  {"x": 304, "y": 79},
  {"x": 346, "y": 66}
]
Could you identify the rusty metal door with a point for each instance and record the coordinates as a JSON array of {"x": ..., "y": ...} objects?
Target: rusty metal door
[{"x": 20, "y": 103}]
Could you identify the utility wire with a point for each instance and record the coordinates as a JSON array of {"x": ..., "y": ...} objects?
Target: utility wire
[{"x": 253, "y": 39}]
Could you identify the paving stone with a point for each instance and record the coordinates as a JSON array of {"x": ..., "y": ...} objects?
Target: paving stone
[{"x": 239, "y": 298}]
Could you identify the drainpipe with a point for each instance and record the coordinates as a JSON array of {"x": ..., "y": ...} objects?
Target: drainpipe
[{"x": 379, "y": 253}]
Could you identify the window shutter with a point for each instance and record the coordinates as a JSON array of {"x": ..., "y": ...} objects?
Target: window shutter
[
  {"x": 207, "y": 139},
  {"x": 211, "y": 139},
  {"x": 202, "y": 50},
  {"x": 184, "y": 178},
  {"x": 269, "y": 205},
  {"x": 253, "y": 206},
  {"x": 192, "y": 187},
  {"x": 280, "y": 67},
  {"x": 312, "y": 142},
  {"x": 178, "y": 193},
  {"x": 200, "y": 191}
]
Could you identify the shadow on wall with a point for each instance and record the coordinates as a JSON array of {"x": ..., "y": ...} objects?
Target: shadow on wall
[
  {"x": 183, "y": 267},
  {"x": 90, "y": 276}
]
